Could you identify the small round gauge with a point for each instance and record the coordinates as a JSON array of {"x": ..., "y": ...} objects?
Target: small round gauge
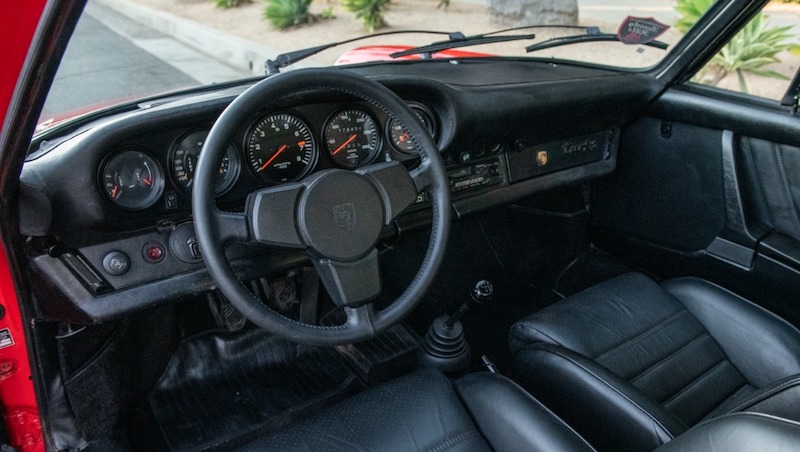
[
  {"x": 352, "y": 137},
  {"x": 133, "y": 180},
  {"x": 184, "y": 161},
  {"x": 401, "y": 139},
  {"x": 280, "y": 148}
]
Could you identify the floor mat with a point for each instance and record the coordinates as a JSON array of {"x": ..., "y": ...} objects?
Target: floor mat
[{"x": 221, "y": 386}]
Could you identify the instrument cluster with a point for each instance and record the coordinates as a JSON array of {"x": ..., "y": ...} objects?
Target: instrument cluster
[{"x": 279, "y": 146}]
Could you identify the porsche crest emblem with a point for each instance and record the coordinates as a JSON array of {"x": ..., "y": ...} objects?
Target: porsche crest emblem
[
  {"x": 541, "y": 158},
  {"x": 344, "y": 215}
]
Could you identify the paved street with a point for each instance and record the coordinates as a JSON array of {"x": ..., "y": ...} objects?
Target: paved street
[{"x": 111, "y": 59}]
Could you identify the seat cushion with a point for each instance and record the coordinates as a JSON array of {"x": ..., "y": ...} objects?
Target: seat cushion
[
  {"x": 422, "y": 412},
  {"x": 661, "y": 357}
]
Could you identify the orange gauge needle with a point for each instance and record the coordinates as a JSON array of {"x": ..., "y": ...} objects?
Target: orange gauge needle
[
  {"x": 264, "y": 166},
  {"x": 114, "y": 191},
  {"x": 349, "y": 140}
]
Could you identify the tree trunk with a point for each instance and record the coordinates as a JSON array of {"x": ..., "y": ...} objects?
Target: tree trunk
[{"x": 519, "y": 13}]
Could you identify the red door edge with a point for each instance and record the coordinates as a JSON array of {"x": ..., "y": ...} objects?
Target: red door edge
[
  {"x": 18, "y": 24},
  {"x": 16, "y": 384}
]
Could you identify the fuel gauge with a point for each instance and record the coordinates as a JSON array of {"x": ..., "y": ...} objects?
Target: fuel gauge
[{"x": 133, "y": 180}]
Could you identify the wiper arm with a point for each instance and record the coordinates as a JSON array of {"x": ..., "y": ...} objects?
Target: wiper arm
[
  {"x": 289, "y": 58},
  {"x": 593, "y": 34},
  {"x": 483, "y": 38}
]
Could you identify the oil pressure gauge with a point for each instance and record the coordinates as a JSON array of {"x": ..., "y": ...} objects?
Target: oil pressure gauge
[{"x": 133, "y": 180}]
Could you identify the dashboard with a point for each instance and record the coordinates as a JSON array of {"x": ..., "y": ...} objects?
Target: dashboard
[{"x": 107, "y": 202}]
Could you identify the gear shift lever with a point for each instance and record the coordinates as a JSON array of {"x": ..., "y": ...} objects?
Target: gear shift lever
[
  {"x": 480, "y": 293},
  {"x": 444, "y": 347}
]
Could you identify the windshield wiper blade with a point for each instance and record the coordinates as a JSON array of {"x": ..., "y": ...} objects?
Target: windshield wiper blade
[
  {"x": 593, "y": 34},
  {"x": 483, "y": 38},
  {"x": 289, "y": 58}
]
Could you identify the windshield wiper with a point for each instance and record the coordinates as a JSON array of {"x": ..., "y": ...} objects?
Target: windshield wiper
[
  {"x": 473, "y": 40},
  {"x": 593, "y": 34},
  {"x": 289, "y": 58}
]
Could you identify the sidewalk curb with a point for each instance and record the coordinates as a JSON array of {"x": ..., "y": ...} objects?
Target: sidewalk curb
[{"x": 232, "y": 50}]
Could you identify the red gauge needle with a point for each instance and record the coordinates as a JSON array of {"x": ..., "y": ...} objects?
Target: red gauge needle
[
  {"x": 114, "y": 191},
  {"x": 264, "y": 166},
  {"x": 403, "y": 137},
  {"x": 147, "y": 182},
  {"x": 349, "y": 140}
]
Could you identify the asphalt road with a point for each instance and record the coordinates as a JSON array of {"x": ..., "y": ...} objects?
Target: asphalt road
[{"x": 111, "y": 59}]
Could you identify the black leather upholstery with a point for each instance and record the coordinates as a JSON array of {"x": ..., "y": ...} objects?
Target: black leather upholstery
[
  {"x": 510, "y": 419},
  {"x": 741, "y": 432},
  {"x": 422, "y": 412},
  {"x": 631, "y": 364}
]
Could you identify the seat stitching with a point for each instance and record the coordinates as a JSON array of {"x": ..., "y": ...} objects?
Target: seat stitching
[
  {"x": 537, "y": 330},
  {"x": 451, "y": 441},
  {"x": 620, "y": 393},
  {"x": 718, "y": 409},
  {"x": 644, "y": 334},
  {"x": 765, "y": 395},
  {"x": 652, "y": 368},
  {"x": 697, "y": 380}
]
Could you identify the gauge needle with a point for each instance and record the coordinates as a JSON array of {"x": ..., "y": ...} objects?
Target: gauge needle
[
  {"x": 147, "y": 182},
  {"x": 349, "y": 140},
  {"x": 264, "y": 166},
  {"x": 114, "y": 191},
  {"x": 403, "y": 137}
]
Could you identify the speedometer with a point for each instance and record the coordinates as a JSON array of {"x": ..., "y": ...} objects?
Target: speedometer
[
  {"x": 352, "y": 137},
  {"x": 280, "y": 148}
]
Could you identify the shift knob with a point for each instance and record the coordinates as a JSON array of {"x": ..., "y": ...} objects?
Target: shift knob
[{"x": 482, "y": 291}]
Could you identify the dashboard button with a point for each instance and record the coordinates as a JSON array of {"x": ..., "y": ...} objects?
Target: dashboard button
[
  {"x": 154, "y": 252},
  {"x": 116, "y": 263}
]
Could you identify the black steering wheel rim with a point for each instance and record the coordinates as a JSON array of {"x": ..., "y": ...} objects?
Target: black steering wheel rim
[{"x": 212, "y": 226}]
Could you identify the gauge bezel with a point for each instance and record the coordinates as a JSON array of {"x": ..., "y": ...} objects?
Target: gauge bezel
[
  {"x": 424, "y": 111},
  {"x": 314, "y": 148},
  {"x": 234, "y": 164},
  {"x": 159, "y": 181},
  {"x": 379, "y": 138}
]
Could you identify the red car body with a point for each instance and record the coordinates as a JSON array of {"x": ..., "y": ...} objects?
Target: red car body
[{"x": 19, "y": 23}]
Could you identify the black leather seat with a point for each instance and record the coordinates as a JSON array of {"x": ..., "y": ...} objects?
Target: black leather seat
[
  {"x": 423, "y": 411},
  {"x": 631, "y": 364}
]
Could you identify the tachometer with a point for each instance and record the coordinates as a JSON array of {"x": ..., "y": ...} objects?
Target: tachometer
[
  {"x": 184, "y": 161},
  {"x": 133, "y": 180},
  {"x": 280, "y": 148},
  {"x": 352, "y": 137}
]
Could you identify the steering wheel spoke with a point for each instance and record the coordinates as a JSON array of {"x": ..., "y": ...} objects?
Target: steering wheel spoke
[
  {"x": 232, "y": 227},
  {"x": 271, "y": 214},
  {"x": 395, "y": 185},
  {"x": 336, "y": 215},
  {"x": 351, "y": 283}
]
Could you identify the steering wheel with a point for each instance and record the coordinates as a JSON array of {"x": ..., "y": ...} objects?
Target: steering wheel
[{"x": 336, "y": 215}]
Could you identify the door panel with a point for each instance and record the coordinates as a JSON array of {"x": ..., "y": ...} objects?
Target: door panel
[{"x": 709, "y": 187}]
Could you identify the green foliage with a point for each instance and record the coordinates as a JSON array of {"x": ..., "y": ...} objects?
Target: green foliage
[
  {"x": 369, "y": 12},
  {"x": 690, "y": 11},
  {"x": 225, "y": 4},
  {"x": 288, "y": 13},
  {"x": 755, "y": 47},
  {"x": 445, "y": 3},
  {"x": 328, "y": 13}
]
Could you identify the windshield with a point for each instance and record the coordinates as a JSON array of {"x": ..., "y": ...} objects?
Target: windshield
[{"x": 124, "y": 50}]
